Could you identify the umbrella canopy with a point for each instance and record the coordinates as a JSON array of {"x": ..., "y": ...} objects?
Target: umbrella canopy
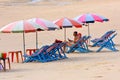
[
  {"x": 67, "y": 23},
  {"x": 21, "y": 27},
  {"x": 46, "y": 24},
  {"x": 90, "y": 18}
]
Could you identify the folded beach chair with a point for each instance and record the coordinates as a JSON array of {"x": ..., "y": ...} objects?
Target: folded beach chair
[
  {"x": 47, "y": 53},
  {"x": 80, "y": 45},
  {"x": 37, "y": 56},
  {"x": 106, "y": 35},
  {"x": 56, "y": 52},
  {"x": 60, "y": 51},
  {"x": 106, "y": 43}
]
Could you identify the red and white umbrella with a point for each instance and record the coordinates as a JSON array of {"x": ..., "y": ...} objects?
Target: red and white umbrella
[
  {"x": 67, "y": 23},
  {"x": 21, "y": 27}
]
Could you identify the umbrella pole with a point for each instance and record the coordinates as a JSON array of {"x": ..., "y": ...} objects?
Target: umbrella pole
[
  {"x": 88, "y": 34},
  {"x": 24, "y": 42},
  {"x": 36, "y": 40},
  {"x": 65, "y": 34}
]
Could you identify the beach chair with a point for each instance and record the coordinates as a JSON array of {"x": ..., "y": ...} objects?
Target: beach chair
[
  {"x": 60, "y": 51},
  {"x": 37, "y": 56},
  {"x": 106, "y": 43},
  {"x": 80, "y": 46},
  {"x": 1, "y": 66},
  {"x": 56, "y": 52},
  {"x": 47, "y": 53},
  {"x": 106, "y": 35}
]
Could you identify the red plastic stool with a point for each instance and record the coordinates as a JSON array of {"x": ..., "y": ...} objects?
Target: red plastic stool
[
  {"x": 17, "y": 55},
  {"x": 30, "y": 51}
]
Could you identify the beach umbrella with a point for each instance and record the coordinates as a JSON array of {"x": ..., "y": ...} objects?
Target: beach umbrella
[
  {"x": 67, "y": 23},
  {"x": 46, "y": 24},
  {"x": 90, "y": 18},
  {"x": 21, "y": 27}
]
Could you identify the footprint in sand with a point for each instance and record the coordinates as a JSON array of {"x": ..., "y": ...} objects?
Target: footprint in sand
[
  {"x": 98, "y": 76},
  {"x": 19, "y": 76},
  {"x": 86, "y": 68},
  {"x": 109, "y": 69}
]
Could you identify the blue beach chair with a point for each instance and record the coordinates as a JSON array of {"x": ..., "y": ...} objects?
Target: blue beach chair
[
  {"x": 80, "y": 45},
  {"x": 56, "y": 52},
  {"x": 47, "y": 53},
  {"x": 106, "y": 43},
  {"x": 37, "y": 56},
  {"x": 106, "y": 35},
  {"x": 60, "y": 52}
]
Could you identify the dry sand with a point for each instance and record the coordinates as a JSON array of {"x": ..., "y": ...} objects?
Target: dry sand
[{"x": 92, "y": 66}]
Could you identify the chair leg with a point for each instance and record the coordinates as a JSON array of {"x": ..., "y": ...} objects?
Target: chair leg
[{"x": 4, "y": 67}]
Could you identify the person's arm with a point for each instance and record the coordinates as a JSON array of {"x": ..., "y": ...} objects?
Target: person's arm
[{"x": 70, "y": 40}]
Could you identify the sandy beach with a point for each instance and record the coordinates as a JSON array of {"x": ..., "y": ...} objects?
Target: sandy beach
[{"x": 79, "y": 66}]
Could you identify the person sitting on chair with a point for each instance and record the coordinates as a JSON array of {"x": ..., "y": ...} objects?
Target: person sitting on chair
[{"x": 77, "y": 36}]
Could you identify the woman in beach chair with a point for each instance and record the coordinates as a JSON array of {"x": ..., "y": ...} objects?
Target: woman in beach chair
[
  {"x": 80, "y": 46},
  {"x": 77, "y": 36}
]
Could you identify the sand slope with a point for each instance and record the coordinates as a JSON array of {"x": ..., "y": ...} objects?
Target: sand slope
[{"x": 93, "y": 66}]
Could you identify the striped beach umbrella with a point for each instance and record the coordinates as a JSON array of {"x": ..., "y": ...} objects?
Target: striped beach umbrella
[
  {"x": 67, "y": 23},
  {"x": 90, "y": 18},
  {"x": 22, "y": 27},
  {"x": 46, "y": 24}
]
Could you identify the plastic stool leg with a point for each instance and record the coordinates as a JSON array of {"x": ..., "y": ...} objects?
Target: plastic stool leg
[
  {"x": 12, "y": 54},
  {"x": 17, "y": 57}
]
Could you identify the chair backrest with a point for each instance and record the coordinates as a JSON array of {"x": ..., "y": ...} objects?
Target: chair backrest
[
  {"x": 107, "y": 34},
  {"x": 41, "y": 50},
  {"x": 82, "y": 40},
  {"x": 51, "y": 47}
]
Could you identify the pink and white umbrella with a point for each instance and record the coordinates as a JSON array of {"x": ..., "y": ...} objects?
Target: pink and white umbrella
[
  {"x": 46, "y": 24},
  {"x": 21, "y": 27},
  {"x": 67, "y": 23},
  {"x": 90, "y": 18}
]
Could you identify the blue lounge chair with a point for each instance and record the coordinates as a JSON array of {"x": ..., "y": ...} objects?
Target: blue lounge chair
[
  {"x": 106, "y": 43},
  {"x": 56, "y": 51},
  {"x": 80, "y": 45},
  {"x": 37, "y": 56},
  {"x": 47, "y": 53},
  {"x": 60, "y": 52},
  {"x": 106, "y": 35}
]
